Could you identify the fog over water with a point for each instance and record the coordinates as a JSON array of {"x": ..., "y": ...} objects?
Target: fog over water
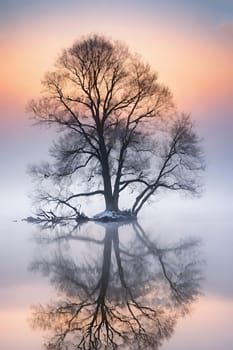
[{"x": 209, "y": 324}]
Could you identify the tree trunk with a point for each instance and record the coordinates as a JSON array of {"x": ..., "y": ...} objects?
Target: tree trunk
[
  {"x": 110, "y": 204},
  {"x": 108, "y": 196},
  {"x": 115, "y": 202}
]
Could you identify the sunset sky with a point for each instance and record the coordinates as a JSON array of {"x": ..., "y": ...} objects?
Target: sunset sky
[{"x": 189, "y": 43}]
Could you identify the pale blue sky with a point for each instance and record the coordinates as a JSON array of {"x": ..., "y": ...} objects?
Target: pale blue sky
[{"x": 214, "y": 9}]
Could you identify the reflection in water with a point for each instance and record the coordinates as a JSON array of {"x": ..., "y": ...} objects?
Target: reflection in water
[{"x": 131, "y": 297}]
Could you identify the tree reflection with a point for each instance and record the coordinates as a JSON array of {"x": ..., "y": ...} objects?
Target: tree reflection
[{"x": 131, "y": 297}]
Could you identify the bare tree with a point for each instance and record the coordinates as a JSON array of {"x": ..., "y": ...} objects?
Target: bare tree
[
  {"x": 119, "y": 129},
  {"x": 132, "y": 296}
]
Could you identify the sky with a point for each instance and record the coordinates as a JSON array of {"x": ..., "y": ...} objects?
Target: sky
[{"x": 189, "y": 44}]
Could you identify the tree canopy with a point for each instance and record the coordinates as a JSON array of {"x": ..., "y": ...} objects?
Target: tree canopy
[{"x": 119, "y": 130}]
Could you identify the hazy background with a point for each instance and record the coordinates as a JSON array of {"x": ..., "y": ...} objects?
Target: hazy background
[{"x": 190, "y": 45}]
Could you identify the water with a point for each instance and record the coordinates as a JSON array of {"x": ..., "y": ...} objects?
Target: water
[{"x": 174, "y": 268}]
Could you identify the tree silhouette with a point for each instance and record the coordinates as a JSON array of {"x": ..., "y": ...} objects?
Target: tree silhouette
[
  {"x": 119, "y": 130},
  {"x": 132, "y": 296}
]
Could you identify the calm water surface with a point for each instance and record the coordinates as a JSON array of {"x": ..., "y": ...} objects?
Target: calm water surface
[{"x": 167, "y": 278}]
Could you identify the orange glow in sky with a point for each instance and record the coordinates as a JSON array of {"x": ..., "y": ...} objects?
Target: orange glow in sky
[{"x": 196, "y": 66}]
